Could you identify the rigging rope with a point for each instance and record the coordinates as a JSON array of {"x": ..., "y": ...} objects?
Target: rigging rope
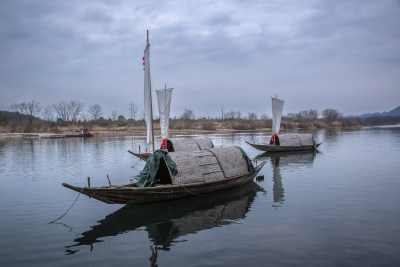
[{"x": 69, "y": 208}]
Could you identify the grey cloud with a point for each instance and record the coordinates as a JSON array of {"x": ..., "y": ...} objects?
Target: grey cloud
[{"x": 228, "y": 50}]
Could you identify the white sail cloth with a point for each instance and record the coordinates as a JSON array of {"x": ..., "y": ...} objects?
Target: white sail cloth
[
  {"x": 147, "y": 94},
  {"x": 164, "y": 104},
  {"x": 277, "y": 107}
]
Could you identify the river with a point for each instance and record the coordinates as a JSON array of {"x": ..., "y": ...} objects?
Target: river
[{"x": 337, "y": 207}]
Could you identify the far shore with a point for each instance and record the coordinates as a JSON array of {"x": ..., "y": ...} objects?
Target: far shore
[{"x": 126, "y": 132}]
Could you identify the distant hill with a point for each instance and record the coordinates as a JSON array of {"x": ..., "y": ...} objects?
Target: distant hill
[
  {"x": 394, "y": 112},
  {"x": 16, "y": 116}
]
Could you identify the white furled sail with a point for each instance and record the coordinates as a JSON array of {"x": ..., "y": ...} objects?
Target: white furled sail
[
  {"x": 148, "y": 112},
  {"x": 164, "y": 104},
  {"x": 277, "y": 107}
]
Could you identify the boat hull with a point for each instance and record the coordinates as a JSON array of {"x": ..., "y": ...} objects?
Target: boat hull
[
  {"x": 275, "y": 148},
  {"x": 130, "y": 194}
]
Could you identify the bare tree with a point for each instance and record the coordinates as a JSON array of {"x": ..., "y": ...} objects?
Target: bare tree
[
  {"x": 313, "y": 114},
  {"x": 230, "y": 115},
  {"x": 188, "y": 114},
  {"x": 17, "y": 108},
  {"x": 264, "y": 117},
  {"x": 75, "y": 108},
  {"x": 252, "y": 116},
  {"x": 302, "y": 115},
  {"x": 310, "y": 114},
  {"x": 133, "y": 110},
  {"x": 14, "y": 107},
  {"x": 114, "y": 115},
  {"x": 61, "y": 110},
  {"x": 291, "y": 116},
  {"x": 48, "y": 113},
  {"x": 95, "y": 112},
  {"x": 32, "y": 109},
  {"x": 331, "y": 115}
]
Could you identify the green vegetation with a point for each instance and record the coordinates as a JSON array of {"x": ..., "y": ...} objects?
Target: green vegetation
[{"x": 3, "y": 119}]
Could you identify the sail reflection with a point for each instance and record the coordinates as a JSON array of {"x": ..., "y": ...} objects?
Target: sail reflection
[
  {"x": 166, "y": 222},
  {"x": 282, "y": 161}
]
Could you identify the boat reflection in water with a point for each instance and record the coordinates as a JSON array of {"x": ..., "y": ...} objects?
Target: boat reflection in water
[
  {"x": 166, "y": 222},
  {"x": 281, "y": 161}
]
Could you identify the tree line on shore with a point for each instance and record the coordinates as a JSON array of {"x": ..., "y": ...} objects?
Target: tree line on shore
[{"x": 31, "y": 117}]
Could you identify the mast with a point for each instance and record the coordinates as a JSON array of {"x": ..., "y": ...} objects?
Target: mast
[
  {"x": 151, "y": 104},
  {"x": 148, "y": 102}
]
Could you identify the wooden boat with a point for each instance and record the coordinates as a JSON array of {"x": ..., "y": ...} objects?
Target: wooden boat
[
  {"x": 199, "y": 172},
  {"x": 169, "y": 221},
  {"x": 81, "y": 133},
  {"x": 284, "y": 142},
  {"x": 289, "y": 142},
  {"x": 180, "y": 144}
]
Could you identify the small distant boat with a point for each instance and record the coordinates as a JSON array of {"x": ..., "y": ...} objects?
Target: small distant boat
[
  {"x": 288, "y": 142},
  {"x": 84, "y": 132},
  {"x": 195, "y": 173},
  {"x": 180, "y": 144},
  {"x": 285, "y": 142}
]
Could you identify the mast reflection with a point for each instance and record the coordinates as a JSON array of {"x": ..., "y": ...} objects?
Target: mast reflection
[{"x": 284, "y": 161}]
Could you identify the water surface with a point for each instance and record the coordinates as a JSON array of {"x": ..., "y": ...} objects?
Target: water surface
[{"x": 340, "y": 206}]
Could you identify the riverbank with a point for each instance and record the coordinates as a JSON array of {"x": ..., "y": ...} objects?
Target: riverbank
[
  {"x": 122, "y": 132},
  {"x": 176, "y": 126}
]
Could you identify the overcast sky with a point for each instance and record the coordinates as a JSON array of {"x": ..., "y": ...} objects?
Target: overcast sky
[{"x": 233, "y": 55}]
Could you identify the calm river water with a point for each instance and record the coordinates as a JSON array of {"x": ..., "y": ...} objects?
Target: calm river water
[{"x": 338, "y": 207}]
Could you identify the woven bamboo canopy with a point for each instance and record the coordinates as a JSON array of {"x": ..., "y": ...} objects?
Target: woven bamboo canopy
[
  {"x": 296, "y": 139},
  {"x": 189, "y": 144},
  {"x": 203, "y": 166}
]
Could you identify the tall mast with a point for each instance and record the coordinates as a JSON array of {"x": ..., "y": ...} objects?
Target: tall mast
[{"x": 151, "y": 104}]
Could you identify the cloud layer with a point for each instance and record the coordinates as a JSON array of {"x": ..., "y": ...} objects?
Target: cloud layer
[{"x": 230, "y": 54}]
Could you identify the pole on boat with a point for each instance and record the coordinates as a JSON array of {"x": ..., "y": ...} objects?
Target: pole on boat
[
  {"x": 109, "y": 182},
  {"x": 151, "y": 104},
  {"x": 88, "y": 181}
]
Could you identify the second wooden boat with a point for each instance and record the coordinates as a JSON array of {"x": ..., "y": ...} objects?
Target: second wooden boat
[{"x": 288, "y": 142}]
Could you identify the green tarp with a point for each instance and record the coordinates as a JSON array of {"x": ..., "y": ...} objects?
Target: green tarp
[
  {"x": 149, "y": 172},
  {"x": 250, "y": 165}
]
